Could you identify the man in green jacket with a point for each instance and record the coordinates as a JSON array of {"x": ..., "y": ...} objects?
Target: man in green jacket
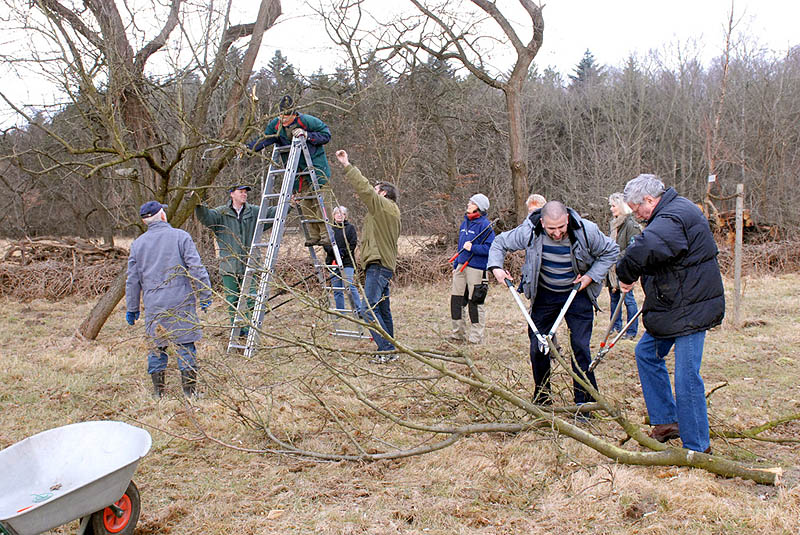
[
  {"x": 233, "y": 225},
  {"x": 290, "y": 124},
  {"x": 378, "y": 251}
]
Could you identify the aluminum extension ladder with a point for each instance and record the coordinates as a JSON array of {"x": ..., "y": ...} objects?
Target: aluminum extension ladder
[{"x": 263, "y": 257}]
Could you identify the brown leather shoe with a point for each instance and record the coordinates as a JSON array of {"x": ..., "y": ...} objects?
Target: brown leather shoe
[{"x": 664, "y": 432}]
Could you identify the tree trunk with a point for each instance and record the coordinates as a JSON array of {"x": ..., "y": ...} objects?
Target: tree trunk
[
  {"x": 517, "y": 152},
  {"x": 91, "y": 326}
]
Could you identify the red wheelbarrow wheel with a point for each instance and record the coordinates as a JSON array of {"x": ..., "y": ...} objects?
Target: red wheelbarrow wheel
[{"x": 121, "y": 518}]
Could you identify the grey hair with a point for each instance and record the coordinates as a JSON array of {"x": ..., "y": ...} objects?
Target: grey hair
[
  {"x": 618, "y": 200},
  {"x": 153, "y": 218},
  {"x": 342, "y": 210},
  {"x": 536, "y": 200},
  {"x": 636, "y": 189}
]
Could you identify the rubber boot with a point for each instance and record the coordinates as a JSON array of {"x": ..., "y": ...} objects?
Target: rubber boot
[
  {"x": 158, "y": 384},
  {"x": 189, "y": 383}
]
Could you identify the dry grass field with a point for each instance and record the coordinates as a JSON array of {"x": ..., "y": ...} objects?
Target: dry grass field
[{"x": 212, "y": 470}]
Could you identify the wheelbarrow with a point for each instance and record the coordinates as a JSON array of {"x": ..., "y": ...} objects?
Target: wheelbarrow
[{"x": 78, "y": 471}]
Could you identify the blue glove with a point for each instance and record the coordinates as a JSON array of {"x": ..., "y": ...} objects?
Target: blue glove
[
  {"x": 131, "y": 317},
  {"x": 204, "y": 304}
]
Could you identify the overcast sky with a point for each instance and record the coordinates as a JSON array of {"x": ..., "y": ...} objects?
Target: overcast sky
[{"x": 610, "y": 29}]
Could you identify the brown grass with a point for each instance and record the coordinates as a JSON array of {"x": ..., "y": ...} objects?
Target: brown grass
[{"x": 523, "y": 483}]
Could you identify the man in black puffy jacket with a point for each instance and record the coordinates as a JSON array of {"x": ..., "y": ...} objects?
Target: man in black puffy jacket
[{"x": 676, "y": 258}]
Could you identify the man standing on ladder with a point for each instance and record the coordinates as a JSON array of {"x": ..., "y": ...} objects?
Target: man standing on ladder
[
  {"x": 233, "y": 225},
  {"x": 378, "y": 250},
  {"x": 281, "y": 130}
]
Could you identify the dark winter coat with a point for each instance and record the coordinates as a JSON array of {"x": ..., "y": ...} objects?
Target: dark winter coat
[
  {"x": 346, "y": 240},
  {"x": 676, "y": 258},
  {"x": 317, "y": 135},
  {"x": 474, "y": 230},
  {"x": 163, "y": 267}
]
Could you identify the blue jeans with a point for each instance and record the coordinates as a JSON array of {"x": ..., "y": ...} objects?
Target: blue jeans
[
  {"x": 630, "y": 309},
  {"x": 338, "y": 295},
  {"x": 579, "y": 318},
  {"x": 688, "y": 407},
  {"x": 187, "y": 358},
  {"x": 376, "y": 291}
]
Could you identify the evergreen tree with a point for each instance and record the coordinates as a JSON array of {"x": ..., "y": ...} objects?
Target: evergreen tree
[{"x": 588, "y": 72}]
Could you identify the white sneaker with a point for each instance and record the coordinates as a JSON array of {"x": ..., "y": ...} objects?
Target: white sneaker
[{"x": 383, "y": 359}]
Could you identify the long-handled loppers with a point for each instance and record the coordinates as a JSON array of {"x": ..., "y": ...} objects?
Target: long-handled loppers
[
  {"x": 575, "y": 288},
  {"x": 614, "y": 316},
  {"x": 452, "y": 259},
  {"x": 544, "y": 347},
  {"x": 604, "y": 350}
]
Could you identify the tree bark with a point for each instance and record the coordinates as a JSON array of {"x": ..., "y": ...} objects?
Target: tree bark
[
  {"x": 91, "y": 326},
  {"x": 517, "y": 148}
]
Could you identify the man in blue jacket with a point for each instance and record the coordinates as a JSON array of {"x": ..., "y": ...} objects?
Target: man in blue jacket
[
  {"x": 165, "y": 272},
  {"x": 281, "y": 130},
  {"x": 676, "y": 258},
  {"x": 561, "y": 249},
  {"x": 469, "y": 270}
]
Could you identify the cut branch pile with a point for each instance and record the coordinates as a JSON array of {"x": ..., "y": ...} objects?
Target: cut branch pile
[
  {"x": 73, "y": 250},
  {"x": 758, "y": 259},
  {"x": 52, "y": 268}
]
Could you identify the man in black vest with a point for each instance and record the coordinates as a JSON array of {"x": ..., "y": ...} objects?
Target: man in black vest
[{"x": 676, "y": 258}]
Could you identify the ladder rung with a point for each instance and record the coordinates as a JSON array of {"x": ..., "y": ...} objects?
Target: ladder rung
[
  {"x": 350, "y": 334},
  {"x": 276, "y": 171},
  {"x": 236, "y": 346},
  {"x": 271, "y": 195},
  {"x": 266, "y": 220}
]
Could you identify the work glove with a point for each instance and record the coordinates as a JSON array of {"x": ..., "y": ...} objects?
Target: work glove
[
  {"x": 298, "y": 132},
  {"x": 204, "y": 304},
  {"x": 131, "y": 317}
]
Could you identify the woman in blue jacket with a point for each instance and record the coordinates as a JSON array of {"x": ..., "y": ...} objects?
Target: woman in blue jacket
[{"x": 469, "y": 270}]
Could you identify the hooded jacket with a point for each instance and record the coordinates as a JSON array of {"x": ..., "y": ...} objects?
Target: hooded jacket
[
  {"x": 591, "y": 251},
  {"x": 676, "y": 258}
]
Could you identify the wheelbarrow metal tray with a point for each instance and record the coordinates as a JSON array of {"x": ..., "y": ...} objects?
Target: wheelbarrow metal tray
[{"x": 66, "y": 473}]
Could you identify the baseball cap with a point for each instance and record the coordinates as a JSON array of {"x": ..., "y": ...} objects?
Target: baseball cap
[
  {"x": 151, "y": 208},
  {"x": 239, "y": 186}
]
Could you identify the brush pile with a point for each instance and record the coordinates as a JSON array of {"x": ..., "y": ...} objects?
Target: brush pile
[{"x": 54, "y": 268}]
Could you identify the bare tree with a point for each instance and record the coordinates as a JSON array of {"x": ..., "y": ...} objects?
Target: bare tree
[
  {"x": 102, "y": 52},
  {"x": 455, "y": 41}
]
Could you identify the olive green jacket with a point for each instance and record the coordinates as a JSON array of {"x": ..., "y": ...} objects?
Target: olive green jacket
[
  {"x": 234, "y": 234},
  {"x": 381, "y": 227}
]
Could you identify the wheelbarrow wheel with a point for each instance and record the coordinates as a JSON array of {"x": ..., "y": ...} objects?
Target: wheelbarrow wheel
[{"x": 107, "y": 521}]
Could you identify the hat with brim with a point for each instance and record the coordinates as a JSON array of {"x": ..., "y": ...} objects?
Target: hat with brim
[
  {"x": 239, "y": 186},
  {"x": 151, "y": 208}
]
